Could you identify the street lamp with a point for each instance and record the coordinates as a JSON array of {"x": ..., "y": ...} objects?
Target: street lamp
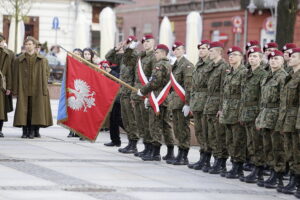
[{"x": 252, "y": 7}]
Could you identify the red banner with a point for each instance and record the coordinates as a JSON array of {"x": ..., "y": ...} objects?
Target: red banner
[{"x": 89, "y": 98}]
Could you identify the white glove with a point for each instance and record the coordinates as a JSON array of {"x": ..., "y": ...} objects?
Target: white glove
[
  {"x": 186, "y": 110},
  {"x": 146, "y": 102},
  {"x": 139, "y": 93},
  {"x": 133, "y": 45}
]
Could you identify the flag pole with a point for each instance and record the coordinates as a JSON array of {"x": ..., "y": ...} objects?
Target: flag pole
[{"x": 100, "y": 70}]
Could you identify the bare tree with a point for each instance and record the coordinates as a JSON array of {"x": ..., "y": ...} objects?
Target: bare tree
[{"x": 18, "y": 9}]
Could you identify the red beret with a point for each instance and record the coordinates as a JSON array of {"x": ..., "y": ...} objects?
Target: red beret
[
  {"x": 288, "y": 46},
  {"x": 176, "y": 45},
  {"x": 131, "y": 38},
  {"x": 252, "y": 43},
  {"x": 294, "y": 50},
  {"x": 147, "y": 37},
  {"x": 233, "y": 49},
  {"x": 163, "y": 47},
  {"x": 216, "y": 44},
  {"x": 105, "y": 62},
  {"x": 202, "y": 43},
  {"x": 254, "y": 50},
  {"x": 270, "y": 45},
  {"x": 275, "y": 53}
]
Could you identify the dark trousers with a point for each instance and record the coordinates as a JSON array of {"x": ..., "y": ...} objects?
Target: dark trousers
[
  {"x": 29, "y": 115},
  {"x": 115, "y": 123}
]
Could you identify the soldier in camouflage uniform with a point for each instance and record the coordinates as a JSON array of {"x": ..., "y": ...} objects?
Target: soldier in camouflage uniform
[
  {"x": 267, "y": 119},
  {"x": 236, "y": 138},
  {"x": 216, "y": 131},
  {"x": 250, "y": 99},
  {"x": 182, "y": 71},
  {"x": 289, "y": 104},
  {"x": 160, "y": 124},
  {"x": 286, "y": 54},
  {"x": 268, "y": 48},
  {"x": 141, "y": 114},
  {"x": 127, "y": 60},
  {"x": 198, "y": 99}
]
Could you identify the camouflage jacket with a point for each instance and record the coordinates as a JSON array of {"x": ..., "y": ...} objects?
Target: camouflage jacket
[
  {"x": 215, "y": 73},
  {"x": 232, "y": 95},
  {"x": 148, "y": 61},
  {"x": 287, "y": 68},
  {"x": 182, "y": 71},
  {"x": 270, "y": 99},
  {"x": 127, "y": 63},
  {"x": 251, "y": 93},
  {"x": 289, "y": 103},
  {"x": 199, "y": 86},
  {"x": 159, "y": 78}
]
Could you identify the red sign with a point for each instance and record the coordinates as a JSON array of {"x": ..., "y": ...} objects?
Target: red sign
[
  {"x": 237, "y": 22},
  {"x": 223, "y": 37}
]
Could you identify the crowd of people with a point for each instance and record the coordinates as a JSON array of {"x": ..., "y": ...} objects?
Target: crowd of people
[{"x": 245, "y": 108}]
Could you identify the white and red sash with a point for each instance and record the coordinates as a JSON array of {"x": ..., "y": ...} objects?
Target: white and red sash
[
  {"x": 178, "y": 88},
  {"x": 143, "y": 79}
]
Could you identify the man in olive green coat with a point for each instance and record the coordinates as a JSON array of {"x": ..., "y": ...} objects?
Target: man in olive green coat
[
  {"x": 5, "y": 81},
  {"x": 31, "y": 72},
  {"x": 250, "y": 105},
  {"x": 182, "y": 70},
  {"x": 236, "y": 138},
  {"x": 287, "y": 120},
  {"x": 198, "y": 99},
  {"x": 127, "y": 60},
  {"x": 159, "y": 122},
  {"x": 216, "y": 131},
  {"x": 141, "y": 113},
  {"x": 267, "y": 120}
]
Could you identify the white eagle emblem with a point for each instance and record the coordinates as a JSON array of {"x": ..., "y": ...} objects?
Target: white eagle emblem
[{"x": 82, "y": 98}]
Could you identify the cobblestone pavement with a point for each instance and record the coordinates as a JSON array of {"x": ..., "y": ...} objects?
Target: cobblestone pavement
[{"x": 57, "y": 167}]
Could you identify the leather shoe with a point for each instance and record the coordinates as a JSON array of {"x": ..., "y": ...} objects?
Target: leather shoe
[{"x": 111, "y": 144}]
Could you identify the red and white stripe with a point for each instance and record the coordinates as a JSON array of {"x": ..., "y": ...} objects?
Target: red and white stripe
[
  {"x": 178, "y": 88},
  {"x": 164, "y": 93}
]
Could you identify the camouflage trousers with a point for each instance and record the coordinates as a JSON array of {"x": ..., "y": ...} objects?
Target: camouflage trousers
[
  {"x": 296, "y": 152},
  {"x": 160, "y": 126},
  {"x": 128, "y": 118},
  {"x": 250, "y": 145},
  {"x": 216, "y": 137},
  {"x": 201, "y": 131},
  {"x": 288, "y": 150},
  {"x": 274, "y": 150},
  {"x": 142, "y": 121},
  {"x": 181, "y": 129},
  {"x": 236, "y": 140},
  {"x": 256, "y": 139}
]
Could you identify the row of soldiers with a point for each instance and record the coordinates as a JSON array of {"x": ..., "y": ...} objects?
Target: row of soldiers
[
  {"x": 245, "y": 111},
  {"x": 25, "y": 76}
]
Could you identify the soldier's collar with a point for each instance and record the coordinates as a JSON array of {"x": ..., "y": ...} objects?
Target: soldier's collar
[
  {"x": 149, "y": 52},
  {"x": 297, "y": 73}
]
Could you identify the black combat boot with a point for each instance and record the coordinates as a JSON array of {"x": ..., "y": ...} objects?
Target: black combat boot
[
  {"x": 206, "y": 166},
  {"x": 132, "y": 148},
  {"x": 272, "y": 181},
  {"x": 182, "y": 160},
  {"x": 233, "y": 173},
  {"x": 297, "y": 193},
  {"x": 215, "y": 164},
  {"x": 31, "y": 132},
  {"x": 198, "y": 165},
  {"x": 170, "y": 153},
  {"x": 248, "y": 166},
  {"x": 25, "y": 132},
  {"x": 125, "y": 148},
  {"x": 155, "y": 155},
  {"x": 179, "y": 155},
  {"x": 290, "y": 188},
  {"x": 141, "y": 153},
  {"x": 148, "y": 155},
  {"x": 252, "y": 177},
  {"x": 220, "y": 167},
  {"x": 36, "y": 131}
]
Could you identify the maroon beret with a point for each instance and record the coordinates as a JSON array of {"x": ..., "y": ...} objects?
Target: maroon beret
[
  {"x": 203, "y": 42},
  {"x": 176, "y": 45},
  {"x": 275, "y": 53},
  {"x": 254, "y": 50},
  {"x": 131, "y": 38},
  {"x": 147, "y": 37},
  {"x": 294, "y": 50},
  {"x": 288, "y": 46},
  {"x": 163, "y": 47},
  {"x": 252, "y": 43},
  {"x": 233, "y": 49},
  {"x": 270, "y": 45},
  {"x": 216, "y": 44}
]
